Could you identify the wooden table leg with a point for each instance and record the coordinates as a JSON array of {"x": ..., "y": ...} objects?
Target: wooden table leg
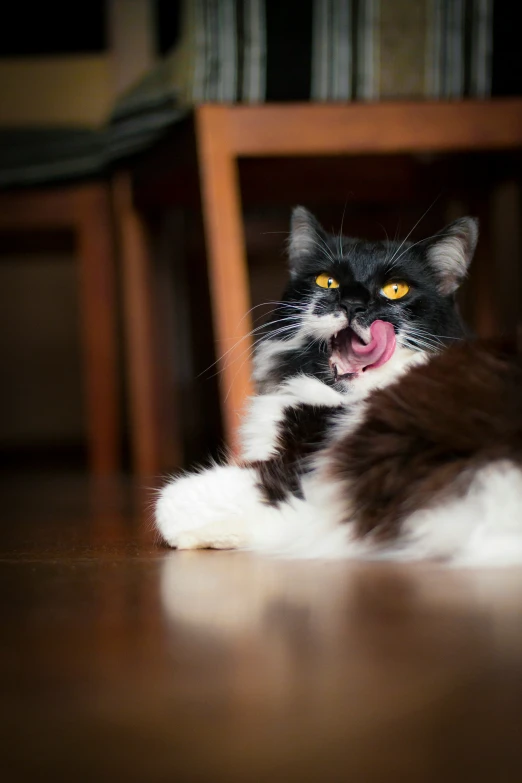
[
  {"x": 96, "y": 251},
  {"x": 227, "y": 264},
  {"x": 139, "y": 322},
  {"x": 506, "y": 243}
]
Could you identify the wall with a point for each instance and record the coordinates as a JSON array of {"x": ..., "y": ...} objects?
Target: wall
[{"x": 72, "y": 90}]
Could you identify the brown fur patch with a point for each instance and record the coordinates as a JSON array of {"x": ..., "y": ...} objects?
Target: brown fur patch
[{"x": 424, "y": 437}]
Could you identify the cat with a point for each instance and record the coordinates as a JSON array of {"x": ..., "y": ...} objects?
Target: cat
[{"x": 379, "y": 428}]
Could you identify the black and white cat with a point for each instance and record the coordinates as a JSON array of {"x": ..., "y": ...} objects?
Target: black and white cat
[{"x": 377, "y": 430}]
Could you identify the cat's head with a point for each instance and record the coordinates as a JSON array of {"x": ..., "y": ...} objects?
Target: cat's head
[{"x": 358, "y": 312}]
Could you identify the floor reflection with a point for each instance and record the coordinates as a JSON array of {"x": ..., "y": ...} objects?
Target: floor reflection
[{"x": 239, "y": 593}]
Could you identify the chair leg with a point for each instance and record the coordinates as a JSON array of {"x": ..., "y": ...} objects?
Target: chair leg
[
  {"x": 139, "y": 322},
  {"x": 95, "y": 247},
  {"x": 506, "y": 239},
  {"x": 226, "y": 262},
  {"x": 485, "y": 316}
]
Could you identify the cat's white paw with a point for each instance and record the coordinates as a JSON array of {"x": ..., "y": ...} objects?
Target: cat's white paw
[
  {"x": 206, "y": 510},
  {"x": 217, "y": 535}
]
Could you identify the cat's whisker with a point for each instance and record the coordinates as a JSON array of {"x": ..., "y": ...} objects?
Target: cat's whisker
[
  {"x": 262, "y": 340},
  {"x": 408, "y": 235},
  {"x": 388, "y": 243},
  {"x": 248, "y": 350},
  {"x": 412, "y": 345},
  {"x": 275, "y": 307},
  {"x": 274, "y": 332},
  {"x": 257, "y": 329},
  {"x": 421, "y": 333},
  {"x": 341, "y": 233},
  {"x": 324, "y": 249},
  {"x": 294, "y": 318},
  {"x": 252, "y": 333},
  {"x": 415, "y": 330},
  {"x": 424, "y": 345},
  {"x": 391, "y": 243},
  {"x": 385, "y": 232},
  {"x": 291, "y": 316},
  {"x": 406, "y": 250},
  {"x": 276, "y": 304},
  {"x": 440, "y": 338},
  {"x": 436, "y": 345},
  {"x": 234, "y": 378},
  {"x": 420, "y": 338},
  {"x": 411, "y": 341}
]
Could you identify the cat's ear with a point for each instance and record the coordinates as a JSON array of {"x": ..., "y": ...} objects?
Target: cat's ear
[
  {"x": 306, "y": 234},
  {"x": 450, "y": 252}
]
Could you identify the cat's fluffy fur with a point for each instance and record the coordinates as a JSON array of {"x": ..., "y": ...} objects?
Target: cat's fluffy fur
[{"x": 417, "y": 457}]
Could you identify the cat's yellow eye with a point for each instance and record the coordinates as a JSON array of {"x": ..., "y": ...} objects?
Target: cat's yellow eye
[
  {"x": 325, "y": 281},
  {"x": 395, "y": 290}
]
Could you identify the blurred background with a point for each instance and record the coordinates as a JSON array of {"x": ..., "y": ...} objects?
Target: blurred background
[{"x": 106, "y": 328}]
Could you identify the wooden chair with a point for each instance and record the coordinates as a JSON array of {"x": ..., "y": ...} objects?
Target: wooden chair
[
  {"x": 85, "y": 210},
  {"x": 224, "y": 134}
]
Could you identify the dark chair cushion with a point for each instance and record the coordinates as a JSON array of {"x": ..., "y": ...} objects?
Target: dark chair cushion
[{"x": 34, "y": 156}]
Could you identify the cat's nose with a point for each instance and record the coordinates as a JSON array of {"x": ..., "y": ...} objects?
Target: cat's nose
[
  {"x": 353, "y": 308},
  {"x": 354, "y": 300}
]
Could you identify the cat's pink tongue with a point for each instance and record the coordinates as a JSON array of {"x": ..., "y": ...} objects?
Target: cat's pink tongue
[
  {"x": 379, "y": 349},
  {"x": 350, "y": 355}
]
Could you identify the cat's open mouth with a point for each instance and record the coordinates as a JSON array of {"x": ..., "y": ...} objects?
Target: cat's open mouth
[{"x": 350, "y": 355}]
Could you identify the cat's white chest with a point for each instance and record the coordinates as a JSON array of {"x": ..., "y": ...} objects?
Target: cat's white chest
[{"x": 261, "y": 429}]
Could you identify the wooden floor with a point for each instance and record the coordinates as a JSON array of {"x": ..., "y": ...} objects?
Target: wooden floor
[{"x": 121, "y": 661}]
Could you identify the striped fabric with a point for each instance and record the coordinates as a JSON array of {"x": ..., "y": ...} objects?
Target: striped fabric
[
  {"x": 33, "y": 156},
  {"x": 253, "y": 51},
  {"x": 256, "y": 51}
]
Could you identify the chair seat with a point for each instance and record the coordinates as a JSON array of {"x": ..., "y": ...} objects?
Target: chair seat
[
  {"x": 138, "y": 122},
  {"x": 48, "y": 156},
  {"x": 36, "y": 156}
]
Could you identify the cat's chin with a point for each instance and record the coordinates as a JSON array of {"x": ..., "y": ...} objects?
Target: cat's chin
[{"x": 348, "y": 376}]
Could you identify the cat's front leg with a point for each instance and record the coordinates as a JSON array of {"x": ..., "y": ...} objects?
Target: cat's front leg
[{"x": 210, "y": 509}]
